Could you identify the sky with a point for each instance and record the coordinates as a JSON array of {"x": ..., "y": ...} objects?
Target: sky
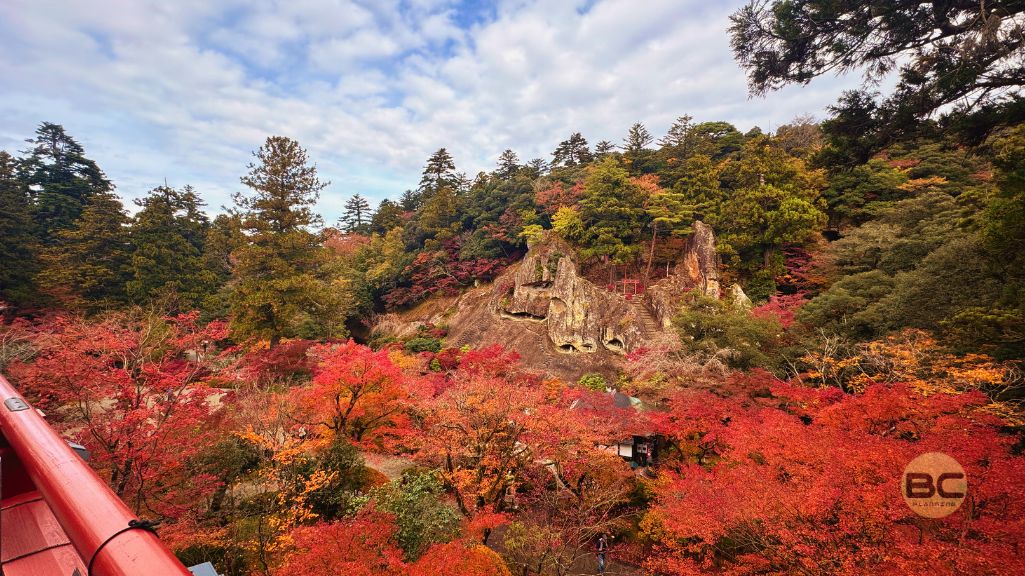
[{"x": 185, "y": 90}]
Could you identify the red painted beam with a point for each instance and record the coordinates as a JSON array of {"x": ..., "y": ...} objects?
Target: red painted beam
[{"x": 88, "y": 511}]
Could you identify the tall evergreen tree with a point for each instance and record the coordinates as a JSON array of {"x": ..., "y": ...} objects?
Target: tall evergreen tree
[
  {"x": 223, "y": 238},
  {"x": 603, "y": 148},
  {"x": 63, "y": 180},
  {"x": 679, "y": 135},
  {"x": 167, "y": 265},
  {"x": 357, "y": 215},
  {"x": 612, "y": 213},
  {"x": 387, "y": 216},
  {"x": 508, "y": 164},
  {"x": 88, "y": 263},
  {"x": 278, "y": 286},
  {"x": 439, "y": 172},
  {"x": 18, "y": 258},
  {"x": 669, "y": 212},
  {"x": 572, "y": 151},
  {"x": 775, "y": 200},
  {"x": 409, "y": 201},
  {"x": 637, "y": 139},
  {"x": 537, "y": 167}
]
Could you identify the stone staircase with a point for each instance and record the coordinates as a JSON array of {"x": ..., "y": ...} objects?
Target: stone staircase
[{"x": 650, "y": 325}]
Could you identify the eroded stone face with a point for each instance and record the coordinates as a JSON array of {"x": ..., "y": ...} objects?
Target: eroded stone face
[
  {"x": 697, "y": 269},
  {"x": 580, "y": 317}
]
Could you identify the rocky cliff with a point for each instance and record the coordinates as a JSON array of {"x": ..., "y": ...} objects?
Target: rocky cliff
[
  {"x": 580, "y": 317},
  {"x": 556, "y": 319},
  {"x": 697, "y": 269}
]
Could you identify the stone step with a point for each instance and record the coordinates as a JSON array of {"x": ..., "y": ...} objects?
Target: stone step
[{"x": 647, "y": 319}]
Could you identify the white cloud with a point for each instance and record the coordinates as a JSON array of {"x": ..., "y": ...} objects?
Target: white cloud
[{"x": 187, "y": 89}]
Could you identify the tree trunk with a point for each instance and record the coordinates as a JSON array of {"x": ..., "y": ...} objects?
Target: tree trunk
[
  {"x": 768, "y": 255},
  {"x": 651, "y": 254}
]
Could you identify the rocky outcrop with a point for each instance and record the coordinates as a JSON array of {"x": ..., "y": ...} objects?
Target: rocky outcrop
[
  {"x": 555, "y": 319},
  {"x": 697, "y": 269},
  {"x": 580, "y": 317},
  {"x": 738, "y": 298}
]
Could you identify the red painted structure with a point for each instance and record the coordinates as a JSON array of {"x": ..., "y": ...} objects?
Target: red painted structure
[{"x": 56, "y": 513}]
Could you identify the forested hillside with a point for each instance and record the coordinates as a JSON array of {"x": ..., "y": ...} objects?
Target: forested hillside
[{"x": 226, "y": 369}]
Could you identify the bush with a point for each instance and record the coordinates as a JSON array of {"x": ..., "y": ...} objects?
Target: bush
[
  {"x": 718, "y": 328},
  {"x": 423, "y": 344},
  {"x": 421, "y": 513},
  {"x": 594, "y": 382}
]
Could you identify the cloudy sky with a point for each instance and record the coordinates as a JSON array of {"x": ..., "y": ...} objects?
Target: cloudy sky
[{"x": 186, "y": 89}]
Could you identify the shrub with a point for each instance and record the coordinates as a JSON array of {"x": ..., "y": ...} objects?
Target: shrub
[
  {"x": 718, "y": 328},
  {"x": 423, "y": 344},
  {"x": 593, "y": 381}
]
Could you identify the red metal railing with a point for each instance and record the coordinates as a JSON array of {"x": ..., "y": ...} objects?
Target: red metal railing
[{"x": 95, "y": 520}]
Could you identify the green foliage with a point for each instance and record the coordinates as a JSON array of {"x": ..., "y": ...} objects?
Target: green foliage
[
  {"x": 279, "y": 289},
  {"x": 572, "y": 152},
  {"x": 167, "y": 265},
  {"x": 422, "y": 344},
  {"x": 344, "y": 465},
  {"x": 902, "y": 234},
  {"x": 88, "y": 263},
  {"x": 1004, "y": 238},
  {"x": 850, "y": 305},
  {"x": 18, "y": 250},
  {"x": 532, "y": 233},
  {"x": 719, "y": 329},
  {"x": 64, "y": 180},
  {"x": 387, "y": 217},
  {"x": 568, "y": 224},
  {"x": 774, "y": 200},
  {"x": 852, "y": 195},
  {"x": 958, "y": 60},
  {"x": 593, "y": 381},
  {"x": 223, "y": 237},
  {"x": 357, "y": 215},
  {"x": 421, "y": 513},
  {"x": 611, "y": 213},
  {"x": 699, "y": 185}
]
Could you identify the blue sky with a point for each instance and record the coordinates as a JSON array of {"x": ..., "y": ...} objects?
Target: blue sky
[{"x": 187, "y": 89}]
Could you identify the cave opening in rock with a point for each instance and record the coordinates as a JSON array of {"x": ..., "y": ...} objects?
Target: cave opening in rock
[
  {"x": 524, "y": 316},
  {"x": 615, "y": 344}
]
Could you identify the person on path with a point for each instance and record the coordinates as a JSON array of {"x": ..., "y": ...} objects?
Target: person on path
[{"x": 602, "y": 550}]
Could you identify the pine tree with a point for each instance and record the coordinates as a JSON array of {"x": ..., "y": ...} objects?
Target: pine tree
[
  {"x": 278, "y": 286},
  {"x": 387, "y": 216},
  {"x": 612, "y": 213},
  {"x": 18, "y": 259},
  {"x": 776, "y": 200},
  {"x": 508, "y": 164},
  {"x": 679, "y": 136},
  {"x": 572, "y": 151},
  {"x": 357, "y": 215},
  {"x": 64, "y": 180},
  {"x": 439, "y": 172},
  {"x": 88, "y": 263},
  {"x": 409, "y": 201},
  {"x": 669, "y": 212},
  {"x": 223, "y": 237},
  {"x": 637, "y": 139},
  {"x": 537, "y": 167},
  {"x": 603, "y": 148},
  {"x": 169, "y": 234}
]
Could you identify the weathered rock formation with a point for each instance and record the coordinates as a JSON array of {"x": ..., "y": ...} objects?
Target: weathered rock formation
[
  {"x": 697, "y": 269},
  {"x": 557, "y": 320},
  {"x": 580, "y": 316}
]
